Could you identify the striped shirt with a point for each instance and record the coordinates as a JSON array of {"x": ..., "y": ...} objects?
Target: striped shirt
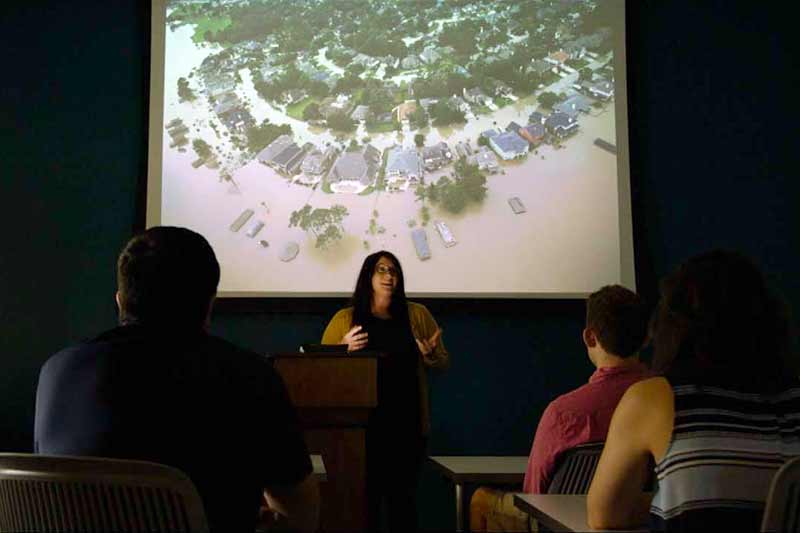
[{"x": 726, "y": 447}]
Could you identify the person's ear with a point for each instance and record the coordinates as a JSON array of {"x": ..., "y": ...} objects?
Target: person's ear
[
  {"x": 119, "y": 304},
  {"x": 207, "y": 324},
  {"x": 589, "y": 338}
]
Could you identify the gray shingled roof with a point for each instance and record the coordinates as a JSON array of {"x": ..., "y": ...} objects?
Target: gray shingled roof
[
  {"x": 357, "y": 166},
  {"x": 403, "y": 162},
  {"x": 511, "y": 143},
  {"x": 267, "y": 155}
]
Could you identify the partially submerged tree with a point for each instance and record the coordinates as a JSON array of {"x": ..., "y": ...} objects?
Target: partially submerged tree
[{"x": 324, "y": 224}]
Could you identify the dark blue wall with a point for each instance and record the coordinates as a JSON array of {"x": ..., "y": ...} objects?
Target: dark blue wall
[{"x": 713, "y": 112}]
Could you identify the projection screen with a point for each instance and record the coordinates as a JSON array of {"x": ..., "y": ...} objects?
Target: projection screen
[{"x": 482, "y": 142}]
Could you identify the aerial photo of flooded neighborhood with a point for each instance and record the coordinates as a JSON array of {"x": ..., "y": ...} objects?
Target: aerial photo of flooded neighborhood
[{"x": 476, "y": 140}]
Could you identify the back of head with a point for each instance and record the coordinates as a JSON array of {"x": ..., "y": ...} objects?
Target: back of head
[
  {"x": 717, "y": 323},
  {"x": 618, "y": 318},
  {"x": 167, "y": 276}
]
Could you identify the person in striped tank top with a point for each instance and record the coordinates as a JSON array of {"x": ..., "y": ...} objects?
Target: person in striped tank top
[{"x": 721, "y": 418}]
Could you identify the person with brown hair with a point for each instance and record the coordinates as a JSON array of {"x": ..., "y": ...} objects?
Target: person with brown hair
[
  {"x": 721, "y": 418},
  {"x": 616, "y": 327}
]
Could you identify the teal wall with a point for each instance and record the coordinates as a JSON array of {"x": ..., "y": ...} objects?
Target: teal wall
[{"x": 713, "y": 119}]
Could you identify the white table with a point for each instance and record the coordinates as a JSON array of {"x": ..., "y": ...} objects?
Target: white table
[
  {"x": 561, "y": 512},
  {"x": 485, "y": 469}
]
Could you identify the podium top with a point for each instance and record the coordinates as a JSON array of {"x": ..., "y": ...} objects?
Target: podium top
[{"x": 353, "y": 355}]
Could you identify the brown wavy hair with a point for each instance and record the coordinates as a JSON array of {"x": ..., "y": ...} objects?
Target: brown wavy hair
[{"x": 718, "y": 324}]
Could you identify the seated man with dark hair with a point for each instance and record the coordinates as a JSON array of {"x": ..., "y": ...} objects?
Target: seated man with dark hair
[
  {"x": 616, "y": 327},
  {"x": 160, "y": 388}
]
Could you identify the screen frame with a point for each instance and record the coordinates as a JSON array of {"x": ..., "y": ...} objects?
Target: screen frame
[{"x": 151, "y": 187}]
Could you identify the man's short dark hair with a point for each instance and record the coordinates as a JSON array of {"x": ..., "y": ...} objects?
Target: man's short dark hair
[
  {"x": 168, "y": 276},
  {"x": 619, "y": 319}
]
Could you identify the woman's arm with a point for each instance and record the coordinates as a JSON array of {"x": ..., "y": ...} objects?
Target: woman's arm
[
  {"x": 425, "y": 329},
  {"x": 641, "y": 427},
  {"x": 337, "y": 327}
]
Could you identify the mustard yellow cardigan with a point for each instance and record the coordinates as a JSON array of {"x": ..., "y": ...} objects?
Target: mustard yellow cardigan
[{"x": 423, "y": 326}]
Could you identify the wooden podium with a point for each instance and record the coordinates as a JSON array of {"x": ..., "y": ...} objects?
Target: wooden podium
[{"x": 334, "y": 395}]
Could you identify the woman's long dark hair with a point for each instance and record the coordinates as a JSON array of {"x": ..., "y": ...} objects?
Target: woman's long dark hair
[
  {"x": 718, "y": 324},
  {"x": 362, "y": 296}
]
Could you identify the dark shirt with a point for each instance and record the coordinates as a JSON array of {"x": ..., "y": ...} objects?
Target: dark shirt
[
  {"x": 398, "y": 386},
  {"x": 185, "y": 399}
]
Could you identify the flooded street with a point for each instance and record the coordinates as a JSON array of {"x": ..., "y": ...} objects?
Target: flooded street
[{"x": 567, "y": 241}]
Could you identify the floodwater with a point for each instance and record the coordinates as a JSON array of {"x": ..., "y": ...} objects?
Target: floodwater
[{"x": 566, "y": 242}]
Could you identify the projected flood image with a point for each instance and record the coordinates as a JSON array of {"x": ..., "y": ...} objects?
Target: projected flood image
[{"x": 476, "y": 140}]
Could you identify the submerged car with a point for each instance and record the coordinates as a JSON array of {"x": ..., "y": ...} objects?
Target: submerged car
[
  {"x": 420, "y": 239},
  {"x": 445, "y": 233},
  {"x": 516, "y": 205}
]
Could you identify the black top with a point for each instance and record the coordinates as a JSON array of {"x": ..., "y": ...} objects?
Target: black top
[
  {"x": 189, "y": 400},
  {"x": 398, "y": 384}
]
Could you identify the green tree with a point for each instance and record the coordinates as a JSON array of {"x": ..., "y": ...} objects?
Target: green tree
[
  {"x": 548, "y": 99},
  {"x": 311, "y": 112},
  {"x": 341, "y": 122},
  {"x": 585, "y": 74},
  {"x": 444, "y": 114},
  {"x": 202, "y": 148},
  {"x": 467, "y": 186},
  {"x": 258, "y": 137},
  {"x": 324, "y": 224},
  {"x": 425, "y": 215},
  {"x": 419, "y": 140},
  {"x": 419, "y": 118},
  {"x": 185, "y": 93}
]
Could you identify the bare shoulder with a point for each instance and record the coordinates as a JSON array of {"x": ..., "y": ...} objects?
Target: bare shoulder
[
  {"x": 654, "y": 386},
  {"x": 647, "y": 409}
]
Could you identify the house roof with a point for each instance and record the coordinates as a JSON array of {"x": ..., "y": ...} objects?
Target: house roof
[
  {"x": 559, "y": 56},
  {"x": 510, "y": 142},
  {"x": 225, "y": 106},
  {"x": 534, "y": 130},
  {"x": 403, "y": 161},
  {"x": 437, "y": 151},
  {"x": 405, "y": 109},
  {"x": 485, "y": 158},
  {"x": 287, "y": 155},
  {"x": 360, "y": 112},
  {"x": 274, "y": 148},
  {"x": 513, "y": 126},
  {"x": 536, "y": 117},
  {"x": 427, "y": 102},
  {"x": 574, "y": 104},
  {"x": 559, "y": 119},
  {"x": 490, "y": 133},
  {"x": 357, "y": 166}
]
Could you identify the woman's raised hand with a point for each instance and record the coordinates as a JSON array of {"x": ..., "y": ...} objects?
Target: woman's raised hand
[
  {"x": 355, "y": 340},
  {"x": 426, "y": 346}
]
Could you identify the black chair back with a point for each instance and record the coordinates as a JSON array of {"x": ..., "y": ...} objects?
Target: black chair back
[{"x": 576, "y": 469}]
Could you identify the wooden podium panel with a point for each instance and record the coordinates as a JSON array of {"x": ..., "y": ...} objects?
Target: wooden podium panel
[{"x": 333, "y": 395}]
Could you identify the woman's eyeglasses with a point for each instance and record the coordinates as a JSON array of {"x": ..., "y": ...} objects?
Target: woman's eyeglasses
[{"x": 384, "y": 269}]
